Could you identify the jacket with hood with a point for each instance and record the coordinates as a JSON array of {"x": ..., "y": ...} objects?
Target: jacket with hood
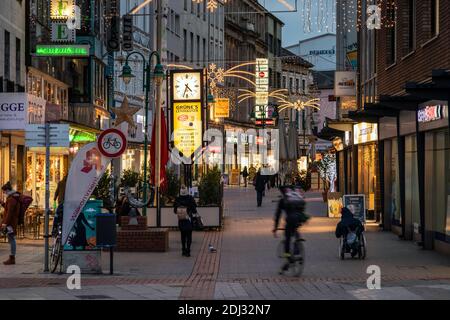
[
  {"x": 12, "y": 210},
  {"x": 348, "y": 222}
]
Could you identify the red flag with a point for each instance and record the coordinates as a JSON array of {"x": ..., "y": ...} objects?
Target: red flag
[{"x": 164, "y": 151}]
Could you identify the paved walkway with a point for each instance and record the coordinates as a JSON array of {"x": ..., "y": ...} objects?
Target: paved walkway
[{"x": 244, "y": 266}]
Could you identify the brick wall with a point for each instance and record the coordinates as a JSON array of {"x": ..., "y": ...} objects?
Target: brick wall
[
  {"x": 138, "y": 238},
  {"x": 428, "y": 55},
  {"x": 151, "y": 240}
]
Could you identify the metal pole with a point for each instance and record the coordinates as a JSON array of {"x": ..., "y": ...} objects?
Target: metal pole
[
  {"x": 158, "y": 111},
  {"x": 147, "y": 89},
  {"x": 47, "y": 193}
]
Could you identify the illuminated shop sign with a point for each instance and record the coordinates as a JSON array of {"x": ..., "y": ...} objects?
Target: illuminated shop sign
[
  {"x": 62, "y": 50},
  {"x": 365, "y": 132},
  {"x": 430, "y": 113},
  {"x": 62, "y": 9}
]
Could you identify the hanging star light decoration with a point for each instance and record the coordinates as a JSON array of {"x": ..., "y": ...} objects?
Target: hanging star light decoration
[
  {"x": 125, "y": 114},
  {"x": 215, "y": 76},
  {"x": 211, "y": 5}
]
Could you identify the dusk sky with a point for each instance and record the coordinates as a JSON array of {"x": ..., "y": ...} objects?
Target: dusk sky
[{"x": 293, "y": 30}]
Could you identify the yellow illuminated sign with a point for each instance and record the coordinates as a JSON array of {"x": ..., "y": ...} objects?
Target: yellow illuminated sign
[
  {"x": 62, "y": 9},
  {"x": 187, "y": 126},
  {"x": 365, "y": 132},
  {"x": 222, "y": 108}
]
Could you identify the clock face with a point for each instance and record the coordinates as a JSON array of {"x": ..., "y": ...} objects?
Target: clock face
[{"x": 187, "y": 86}]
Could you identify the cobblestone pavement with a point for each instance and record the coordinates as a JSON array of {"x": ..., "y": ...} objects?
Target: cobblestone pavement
[{"x": 245, "y": 265}]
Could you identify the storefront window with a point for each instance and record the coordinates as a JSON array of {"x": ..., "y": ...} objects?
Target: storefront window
[
  {"x": 35, "y": 182},
  {"x": 395, "y": 185},
  {"x": 441, "y": 172},
  {"x": 366, "y": 177},
  {"x": 412, "y": 200}
]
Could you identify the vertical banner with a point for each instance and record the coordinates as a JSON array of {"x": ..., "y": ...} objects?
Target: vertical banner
[
  {"x": 86, "y": 170},
  {"x": 127, "y": 32}
]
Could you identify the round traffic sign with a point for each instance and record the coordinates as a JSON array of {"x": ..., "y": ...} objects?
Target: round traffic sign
[
  {"x": 262, "y": 74},
  {"x": 112, "y": 143}
]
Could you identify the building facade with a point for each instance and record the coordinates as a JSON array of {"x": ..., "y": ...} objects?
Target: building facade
[{"x": 12, "y": 83}]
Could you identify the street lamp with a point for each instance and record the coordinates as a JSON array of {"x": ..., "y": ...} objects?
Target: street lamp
[{"x": 158, "y": 75}]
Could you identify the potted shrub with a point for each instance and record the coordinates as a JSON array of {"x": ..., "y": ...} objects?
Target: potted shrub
[
  {"x": 103, "y": 191},
  {"x": 129, "y": 179},
  {"x": 172, "y": 188},
  {"x": 209, "y": 188}
]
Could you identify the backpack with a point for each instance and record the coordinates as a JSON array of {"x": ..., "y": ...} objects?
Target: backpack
[
  {"x": 182, "y": 213},
  {"x": 294, "y": 202},
  {"x": 24, "y": 202}
]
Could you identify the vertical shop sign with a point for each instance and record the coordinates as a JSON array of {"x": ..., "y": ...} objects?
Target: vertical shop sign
[
  {"x": 127, "y": 33},
  {"x": 187, "y": 126},
  {"x": 262, "y": 88}
]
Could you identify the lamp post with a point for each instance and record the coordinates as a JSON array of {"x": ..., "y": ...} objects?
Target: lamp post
[{"x": 158, "y": 74}]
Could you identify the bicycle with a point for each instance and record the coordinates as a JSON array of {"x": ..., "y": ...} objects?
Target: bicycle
[
  {"x": 294, "y": 264},
  {"x": 55, "y": 254},
  {"x": 112, "y": 142}
]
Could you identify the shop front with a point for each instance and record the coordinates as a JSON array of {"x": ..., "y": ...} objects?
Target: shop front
[
  {"x": 365, "y": 138},
  {"x": 388, "y": 144},
  {"x": 433, "y": 122}
]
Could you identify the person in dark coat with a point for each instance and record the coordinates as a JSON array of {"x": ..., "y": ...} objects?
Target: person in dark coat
[
  {"x": 260, "y": 186},
  {"x": 10, "y": 219},
  {"x": 185, "y": 200},
  {"x": 348, "y": 222},
  {"x": 245, "y": 175}
]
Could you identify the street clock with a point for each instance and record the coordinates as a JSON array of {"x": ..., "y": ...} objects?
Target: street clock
[{"x": 187, "y": 86}]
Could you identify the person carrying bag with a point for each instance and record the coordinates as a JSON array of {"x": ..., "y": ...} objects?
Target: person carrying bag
[{"x": 185, "y": 208}]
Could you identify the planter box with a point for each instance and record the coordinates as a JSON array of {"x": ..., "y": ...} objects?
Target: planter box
[{"x": 211, "y": 216}]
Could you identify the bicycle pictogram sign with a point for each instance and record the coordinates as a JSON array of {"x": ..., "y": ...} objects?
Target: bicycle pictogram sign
[{"x": 112, "y": 143}]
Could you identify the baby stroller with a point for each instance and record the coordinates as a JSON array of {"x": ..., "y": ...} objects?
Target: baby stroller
[{"x": 353, "y": 242}]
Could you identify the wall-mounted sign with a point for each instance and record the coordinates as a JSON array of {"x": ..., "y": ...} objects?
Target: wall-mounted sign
[
  {"x": 61, "y": 33},
  {"x": 187, "y": 126},
  {"x": 222, "y": 108},
  {"x": 19, "y": 109},
  {"x": 62, "y": 9},
  {"x": 322, "y": 52},
  {"x": 430, "y": 113},
  {"x": 262, "y": 88},
  {"x": 365, "y": 132},
  {"x": 345, "y": 83},
  {"x": 63, "y": 50},
  {"x": 127, "y": 32}
]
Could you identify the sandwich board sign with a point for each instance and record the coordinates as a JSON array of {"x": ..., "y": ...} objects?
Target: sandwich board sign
[{"x": 356, "y": 203}]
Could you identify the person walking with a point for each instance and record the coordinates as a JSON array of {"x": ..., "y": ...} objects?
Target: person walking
[
  {"x": 60, "y": 191},
  {"x": 260, "y": 186},
  {"x": 10, "y": 219},
  {"x": 245, "y": 175},
  {"x": 184, "y": 207}
]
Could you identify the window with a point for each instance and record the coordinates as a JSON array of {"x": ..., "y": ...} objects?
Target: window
[
  {"x": 391, "y": 38},
  {"x": 185, "y": 44},
  {"x": 204, "y": 50},
  {"x": 18, "y": 60},
  {"x": 177, "y": 24},
  {"x": 297, "y": 85},
  {"x": 284, "y": 82},
  {"x": 291, "y": 83},
  {"x": 434, "y": 16},
  {"x": 410, "y": 34},
  {"x": 192, "y": 47},
  {"x": 7, "y": 56},
  {"x": 198, "y": 49},
  {"x": 304, "y": 86},
  {"x": 185, "y": 5}
]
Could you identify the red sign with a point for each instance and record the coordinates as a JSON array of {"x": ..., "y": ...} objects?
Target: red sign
[
  {"x": 262, "y": 74},
  {"x": 112, "y": 143}
]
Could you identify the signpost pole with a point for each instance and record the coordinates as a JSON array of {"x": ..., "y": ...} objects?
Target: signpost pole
[{"x": 47, "y": 193}]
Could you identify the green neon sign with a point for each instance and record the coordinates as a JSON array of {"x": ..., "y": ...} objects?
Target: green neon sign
[
  {"x": 80, "y": 136},
  {"x": 68, "y": 50}
]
